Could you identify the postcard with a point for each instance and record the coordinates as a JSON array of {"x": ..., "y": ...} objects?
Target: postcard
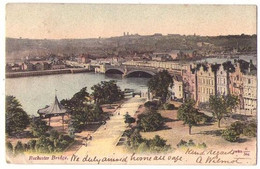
[{"x": 131, "y": 84}]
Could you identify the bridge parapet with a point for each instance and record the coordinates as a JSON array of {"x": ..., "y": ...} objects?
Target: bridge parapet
[{"x": 128, "y": 69}]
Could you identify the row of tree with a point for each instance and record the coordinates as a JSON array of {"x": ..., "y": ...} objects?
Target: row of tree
[{"x": 221, "y": 106}]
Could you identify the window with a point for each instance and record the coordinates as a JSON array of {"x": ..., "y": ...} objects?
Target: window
[
  {"x": 179, "y": 88},
  {"x": 249, "y": 81}
]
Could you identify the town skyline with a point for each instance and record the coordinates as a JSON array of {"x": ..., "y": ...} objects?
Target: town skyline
[{"x": 77, "y": 21}]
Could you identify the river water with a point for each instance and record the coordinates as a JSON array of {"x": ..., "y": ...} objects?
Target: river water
[{"x": 38, "y": 91}]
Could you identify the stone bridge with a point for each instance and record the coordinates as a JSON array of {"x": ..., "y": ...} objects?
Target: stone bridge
[{"x": 128, "y": 70}]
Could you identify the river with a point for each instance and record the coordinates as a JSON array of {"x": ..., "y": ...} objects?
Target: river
[{"x": 38, "y": 91}]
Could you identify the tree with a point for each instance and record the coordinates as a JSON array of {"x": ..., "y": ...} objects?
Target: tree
[
  {"x": 129, "y": 119},
  {"x": 16, "y": 118},
  {"x": 231, "y": 102},
  {"x": 150, "y": 121},
  {"x": 135, "y": 139},
  {"x": 9, "y": 147},
  {"x": 79, "y": 118},
  {"x": 18, "y": 148},
  {"x": 189, "y": 114},
  {"x": 95, "y": 114},
  {"x": 78, "y": 100},
  {"x": 88, "y": 113},
  {"x": 159, "y": 84},
  {"x": 222, "y": 106},
  {"x": 106, "y": 92},
  {"x": 39, "y": 127}
]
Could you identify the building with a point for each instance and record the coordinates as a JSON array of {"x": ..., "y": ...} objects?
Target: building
[
  {"x": 39, "y": 66},
  {"x": 249, "y": 79},
  {"x": 55, "y": 109},
  {"x": 236, "y": 84},
  {"x": 58, "y": 66},
  {"x": 162, "y": 57},
  {"x": 177, "y": 88},
  {"x": 189, "y": 81},
  {"x": 46, "y": 66},
  {"x": 205, "y": 83},
  {"x": 222, "y": 81},
  {"x": 15, "y": 67},
  {"x": 84, "y": 58}
]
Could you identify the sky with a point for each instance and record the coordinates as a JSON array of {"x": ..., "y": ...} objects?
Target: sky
[{"x": 59, "y": 21}]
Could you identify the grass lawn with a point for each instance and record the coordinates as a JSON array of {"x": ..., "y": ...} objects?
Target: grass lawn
[{"x": 210, "y": 134}]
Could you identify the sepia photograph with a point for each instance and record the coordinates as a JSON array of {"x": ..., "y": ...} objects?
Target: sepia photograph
[{"x": 130, "y": 84}]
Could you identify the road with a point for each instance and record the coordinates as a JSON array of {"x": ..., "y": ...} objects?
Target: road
[{"x": 104, "y": 140}]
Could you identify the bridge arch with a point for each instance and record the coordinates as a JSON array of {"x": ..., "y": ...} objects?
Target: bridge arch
[
  {"x": 140, "y": 73},
  {"x": 114, "y": 71}
]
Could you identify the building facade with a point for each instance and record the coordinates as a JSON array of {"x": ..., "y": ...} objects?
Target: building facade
[
  {"x": 222, "y": 81},
  {"x": 236, "y": 84},
  {"x": 250, "y": 92},
  {"x": 189, "y": 81},
  {"x": 177, "y": 88},
  {"x": 206, "y": 83}
]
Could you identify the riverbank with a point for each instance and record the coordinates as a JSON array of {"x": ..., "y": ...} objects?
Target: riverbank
[{"x": 46, "y": 72}]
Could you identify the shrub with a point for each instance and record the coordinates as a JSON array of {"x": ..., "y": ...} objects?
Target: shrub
[
  {"x": 129, "y": 119},
  {"x": 168, "y": 106},
  {"x": 150, "y": 121},
  {"x": 54, "y": 134},
  {"x": 71, "y": 131},
  {"x": 135, "y": 139},
  {"x": 43, "y": 144},
  {"x": 62, "y": 144},
  {"x": 202, "y": 145},
  {"x": 26, "y": 147},
  {"x": 18, "y": 148},
  {"x": 250, "y": 130},
  {"x": 31, "y": 145},
  {"x": 157, "y": 144},
  {"x": 9, "y": 146},
  {"x": 182, "y": 143},
  {"x": 237, "y": 127},
  {"x": 151, "y": 105},
  {"x": 136, "y": 142},
  {"x": 230, "y": 135},
  {"x": 67, "y": 138},
  {"x": 143, "y": 147},
  {"x": 39, "y": 127},
  {"x": 191, "y": 143}
]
